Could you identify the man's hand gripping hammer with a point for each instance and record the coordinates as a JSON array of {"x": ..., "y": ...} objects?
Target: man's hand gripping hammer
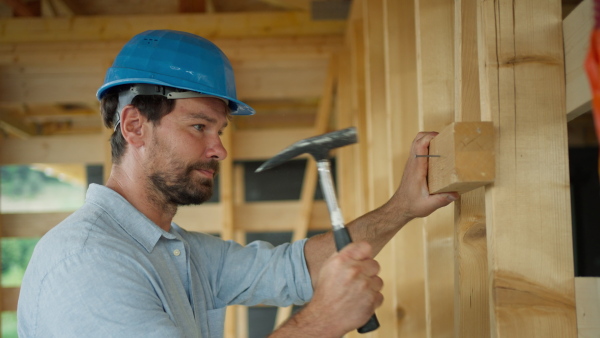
[{"x": 319, "y": 147}]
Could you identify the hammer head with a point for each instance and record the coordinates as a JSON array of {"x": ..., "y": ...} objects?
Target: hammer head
[{"x": 317, "y": 146}]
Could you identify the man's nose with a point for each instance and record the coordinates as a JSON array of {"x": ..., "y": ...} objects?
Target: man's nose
[{"x": 216, "y": 150}]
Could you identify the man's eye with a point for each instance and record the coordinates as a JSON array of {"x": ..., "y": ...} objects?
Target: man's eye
[{"x": 199, "y": 127}]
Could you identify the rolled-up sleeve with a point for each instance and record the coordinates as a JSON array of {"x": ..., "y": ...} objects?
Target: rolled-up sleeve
[{"x": 259, "y": 273}]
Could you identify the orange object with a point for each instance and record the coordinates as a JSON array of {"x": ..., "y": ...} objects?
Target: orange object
[{"x": 592, "y": 67}]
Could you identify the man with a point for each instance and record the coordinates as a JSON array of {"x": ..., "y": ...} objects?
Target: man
[{"x": 119, "y": 266}]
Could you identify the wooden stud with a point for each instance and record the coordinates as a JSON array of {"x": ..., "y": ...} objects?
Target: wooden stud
[
  {"x": 402, "y": 102},
  {"x": 379, "y": 155},
  {"x": 471, "y": 296},
  {"x": 528, "y": 218},
  {"x": 435, "y": 79},
  {"x": 240, "y": 237},
  {"x": 466, "y": 157},
  {"x": 227, "y": 217}
]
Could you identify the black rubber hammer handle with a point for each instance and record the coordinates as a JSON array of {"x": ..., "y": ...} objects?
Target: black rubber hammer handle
[{"x": 342, "y": 238}]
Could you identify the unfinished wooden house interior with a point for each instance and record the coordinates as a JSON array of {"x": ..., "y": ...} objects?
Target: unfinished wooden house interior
[{"x": 516, "y": 256}]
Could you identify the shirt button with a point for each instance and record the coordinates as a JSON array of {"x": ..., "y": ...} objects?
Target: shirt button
[{"x": 176, "y": 252}]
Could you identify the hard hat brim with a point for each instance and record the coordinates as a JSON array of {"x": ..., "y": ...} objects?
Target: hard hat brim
[{"x": 236, "y": 107}]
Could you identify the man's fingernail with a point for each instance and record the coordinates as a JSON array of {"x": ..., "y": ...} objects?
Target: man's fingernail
[{"x": 451, "y": 197}]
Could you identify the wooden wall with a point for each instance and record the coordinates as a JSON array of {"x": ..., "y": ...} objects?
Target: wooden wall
[
  {"x": 496, "y": 263},
  {"x": 499, "y": 263}
]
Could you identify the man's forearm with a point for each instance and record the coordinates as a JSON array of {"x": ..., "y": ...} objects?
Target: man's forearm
[{"x": 377, "y": 228}]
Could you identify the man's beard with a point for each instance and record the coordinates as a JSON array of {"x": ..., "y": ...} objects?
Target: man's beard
[{"x": 180, "y": 188}]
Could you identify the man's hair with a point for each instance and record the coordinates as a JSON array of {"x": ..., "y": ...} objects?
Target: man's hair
[{"x": 153, "y": 107}]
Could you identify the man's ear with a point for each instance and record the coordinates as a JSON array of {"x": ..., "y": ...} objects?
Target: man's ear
[{"x": 133, "y": 126}]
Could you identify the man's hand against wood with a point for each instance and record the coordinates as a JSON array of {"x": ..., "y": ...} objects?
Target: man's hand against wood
[
  {"x": 412, "y": 198},
  {"x": 347, "y": 293}
]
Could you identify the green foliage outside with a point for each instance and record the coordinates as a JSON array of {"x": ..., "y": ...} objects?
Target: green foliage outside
[
  {"x": 16, "y": 253},
  {"x": 9, "y": 324},
  {"x": 25, "y": 189}
]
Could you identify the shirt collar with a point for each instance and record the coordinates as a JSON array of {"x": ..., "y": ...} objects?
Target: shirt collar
[{"x": 136, "y": 224}]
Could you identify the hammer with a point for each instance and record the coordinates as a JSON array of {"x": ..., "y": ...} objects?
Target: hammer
[{"x": 319, "y": 147}]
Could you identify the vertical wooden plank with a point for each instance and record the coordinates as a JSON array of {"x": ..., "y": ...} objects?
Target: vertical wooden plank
[
  {"x": 379, "y": 140},
  {"x": 402, "y": 102},
  {"x": 357, "y": 52},
  {"x": 471, "y": 298},
  {"x": 240, "y": 237},
  {"x": 530, "y": 254},
  {"x": 227, "y": 225},
  {"x": 435, "y": 83},
  {"x": 346, "y": 162}
]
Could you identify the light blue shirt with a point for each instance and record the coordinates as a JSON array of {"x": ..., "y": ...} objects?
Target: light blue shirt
[{"x": 108, "y": 271}]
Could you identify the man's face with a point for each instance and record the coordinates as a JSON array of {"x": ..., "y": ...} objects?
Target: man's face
[{"x": 185, "y": 150}]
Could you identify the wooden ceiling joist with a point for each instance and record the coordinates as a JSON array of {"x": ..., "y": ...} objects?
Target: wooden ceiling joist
[{"x": 217, "y": 25}]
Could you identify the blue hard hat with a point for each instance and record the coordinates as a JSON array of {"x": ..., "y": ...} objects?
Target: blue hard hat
[{"x": 179, "y": 60}]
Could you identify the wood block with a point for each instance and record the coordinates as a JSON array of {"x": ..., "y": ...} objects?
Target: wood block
[{"x": 466, "y": 159}]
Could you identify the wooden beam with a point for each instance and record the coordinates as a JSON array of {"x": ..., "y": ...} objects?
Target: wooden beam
[
  {"x": 248, "y": 145},
  {"x": 75, "y": 70},
  {"x": 303, "y": 5},
  {"x": 466, "y": 157},
  {"x": 577, "y": 28},
  {"x": 10, "y": 297},
  {"x": 13, "y": 122},
  {"x": 587, "y": 290},
  {"x": 218, "y": 25},
  {"x": 252, "y": 217},
  {"x": 528, "y": 218},
  {"x": 192, "y": 6},
  {"x": 30, "y": 224},
  {"x": 85, "y": 149}
]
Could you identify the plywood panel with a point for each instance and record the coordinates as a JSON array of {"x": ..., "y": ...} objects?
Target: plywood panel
[{"x": 527, "y": 208}]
